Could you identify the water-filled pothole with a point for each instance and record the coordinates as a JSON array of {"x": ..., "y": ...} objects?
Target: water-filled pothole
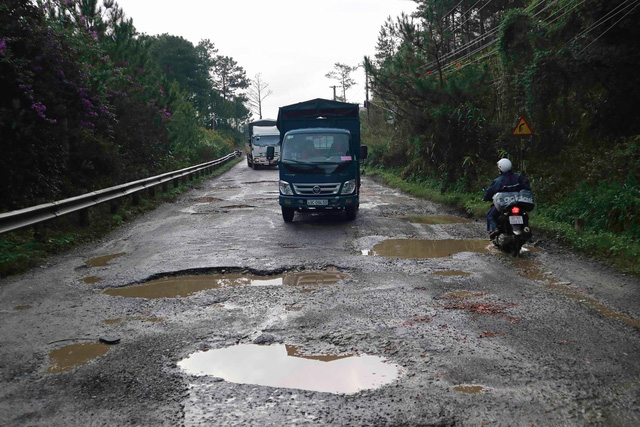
[
  {"x": 22, "y": 307},
  {"x": 91, "y": 280},
  {"x": 68, "y": 357},
  {"x": 533, "y": 270},
  {"x": 102, "y": 260},
  {"x": 421, "y": 248},
  {"x": 207, "y": 199},
  {"x": 184, "y": 286},
  {"x": 283, "y": 366},
  {"x": 469, "y": 389},
  {"x": 436, "y": 220},
  {"x": 237, "y": 207}
]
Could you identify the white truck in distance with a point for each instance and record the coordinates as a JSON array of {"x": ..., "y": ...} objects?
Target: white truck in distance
[{"x": 260, "y": 138}]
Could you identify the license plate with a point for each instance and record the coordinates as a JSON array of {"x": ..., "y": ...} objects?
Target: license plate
[
  {"x": 516, "y": 220},
  {"x": 323, "y": 202}
]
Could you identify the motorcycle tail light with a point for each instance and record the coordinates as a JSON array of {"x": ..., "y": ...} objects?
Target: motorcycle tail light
[{"x": 515, "y": 210}]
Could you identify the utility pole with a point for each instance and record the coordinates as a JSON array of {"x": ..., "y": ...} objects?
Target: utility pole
[{"x": 334, "y": 91}]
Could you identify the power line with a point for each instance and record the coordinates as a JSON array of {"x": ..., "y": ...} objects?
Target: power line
[
  {"x": 605, "y": 31},
  {"x": 601, "y": 21}
]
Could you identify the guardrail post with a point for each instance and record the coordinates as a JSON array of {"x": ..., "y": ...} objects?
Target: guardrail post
[
  {"x": 190, "y": 177},
  {"x": 152, "y": 191},
  {"x": 176, "y": 182},
  {"x": 39, "y": 232},
  {"x": 83, "y": 217},
  {"x": 135, "y": 199},
  {"x": 165, "y": 187},
  {"x": 113, "y": 207}
]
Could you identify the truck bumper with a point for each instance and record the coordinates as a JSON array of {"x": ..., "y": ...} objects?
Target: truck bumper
[
  {"x": 264, "y": 162},
  {"x": 333, "y": 202}
]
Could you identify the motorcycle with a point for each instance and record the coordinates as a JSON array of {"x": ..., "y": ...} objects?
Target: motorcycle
[{"x": 513, "y": 223}]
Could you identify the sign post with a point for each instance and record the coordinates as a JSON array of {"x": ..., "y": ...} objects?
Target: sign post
[{"x": 522, "y": 129}]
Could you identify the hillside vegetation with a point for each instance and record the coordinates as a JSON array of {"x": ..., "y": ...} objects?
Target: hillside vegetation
[
  {"x": 451, "y": 82},
  {"x": 89, "y": 103}
]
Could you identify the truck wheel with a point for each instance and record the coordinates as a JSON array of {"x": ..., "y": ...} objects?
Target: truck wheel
[
  {"x": 248, "y": 161},
  {"x": 351, "y": 211},
  {"x": 287, "y": 214}
]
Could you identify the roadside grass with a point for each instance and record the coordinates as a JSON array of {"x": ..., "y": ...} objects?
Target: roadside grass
[
  {"x": 23, "y": 249},
  {"x": 619, "y": 249}
]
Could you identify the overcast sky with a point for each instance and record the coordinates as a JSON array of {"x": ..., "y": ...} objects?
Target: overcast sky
[{"x": 291, "y": 43}]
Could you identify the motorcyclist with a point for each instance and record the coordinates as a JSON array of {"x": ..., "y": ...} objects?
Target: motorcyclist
[{"x": 506, "y": 181}]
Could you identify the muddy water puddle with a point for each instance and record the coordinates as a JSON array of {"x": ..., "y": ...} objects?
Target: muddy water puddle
[
  {"x": 287, "y": 367},
  {"x": 68, "y": 357},
  {"x": 421, "y": 248},
  {"x": 436, "y": 219},
  {"x": 533, "y": 270},
  {"x": 184, "y": 286},
  {"x": 103, "y": 260},
  {"x": 22, "y": 307},
  {"x": 91, "y": 280},
  {"x": 469, "y": 389},
  {"x": 207, "y": 200}
]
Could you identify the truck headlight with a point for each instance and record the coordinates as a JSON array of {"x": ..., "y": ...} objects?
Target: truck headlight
[
  {"x": 285, "y": 188},
  {"x": 348, "y": 187}
]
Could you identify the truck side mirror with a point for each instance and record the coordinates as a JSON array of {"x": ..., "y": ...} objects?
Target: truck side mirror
[
  {"x": 271, "y": 152},
  {"x": 364, "y": 152}
]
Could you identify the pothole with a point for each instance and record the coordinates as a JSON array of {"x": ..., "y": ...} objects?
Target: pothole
[
  {"x": 469, "y": 389},
  {"x": 224, "y": 188},
  {"x": 68, "y": 357},
  {"x": 102, "y": 260},
  {"x": 91, "y": 280},
  {"x": 533, "y": 270},
  {"x": 436, "y": 220},
  {"x": 184, "y": 286},
  {"x": 237, "y": 207},
  {"x": 284, "y": 366},
  {"x": 422, "y": 248},
  {"x": 207, "y": 200}
]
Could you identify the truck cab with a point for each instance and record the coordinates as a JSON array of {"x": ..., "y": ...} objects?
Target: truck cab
[
  {"x": 262, "y": 135},
  {"x": 320, "y": 158}
]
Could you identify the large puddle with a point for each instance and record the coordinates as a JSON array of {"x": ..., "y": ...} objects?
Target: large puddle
[
  {"x": 284, "y": 366},
  {"x": 102, "y": 260},
  {"x": 421, "y": 248},
  {"x": 184, "y": 286},
  {"x": 68, "y": 357}
]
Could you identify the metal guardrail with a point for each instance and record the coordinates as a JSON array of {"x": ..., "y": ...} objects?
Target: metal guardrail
[{"x": 10, "y": 221}]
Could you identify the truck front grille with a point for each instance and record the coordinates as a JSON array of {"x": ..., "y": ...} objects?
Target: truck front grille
[{"x": 316, "y": 189}]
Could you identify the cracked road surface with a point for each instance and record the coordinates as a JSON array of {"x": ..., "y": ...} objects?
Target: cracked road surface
[{"x": 474, "y": 336}]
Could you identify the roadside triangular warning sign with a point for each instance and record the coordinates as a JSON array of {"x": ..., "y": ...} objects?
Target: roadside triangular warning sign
[{"x": 522, "y": 128}]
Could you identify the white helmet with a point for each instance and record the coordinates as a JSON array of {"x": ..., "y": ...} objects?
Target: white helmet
[{"x": 504, "y": 165}]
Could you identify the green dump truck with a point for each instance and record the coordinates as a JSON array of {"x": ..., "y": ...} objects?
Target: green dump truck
[{"x": 320, "y": 156}]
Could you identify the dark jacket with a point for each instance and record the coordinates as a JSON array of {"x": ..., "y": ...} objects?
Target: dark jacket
[{"x": 508, "y": 181}]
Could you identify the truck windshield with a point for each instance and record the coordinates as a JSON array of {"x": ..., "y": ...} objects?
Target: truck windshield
[
  {"x": 316, "y": 148},
  {"x": 266, "y": 140}
]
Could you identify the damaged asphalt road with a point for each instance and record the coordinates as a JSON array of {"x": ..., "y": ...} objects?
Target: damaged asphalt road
[{"x": 470, "y": 335}]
